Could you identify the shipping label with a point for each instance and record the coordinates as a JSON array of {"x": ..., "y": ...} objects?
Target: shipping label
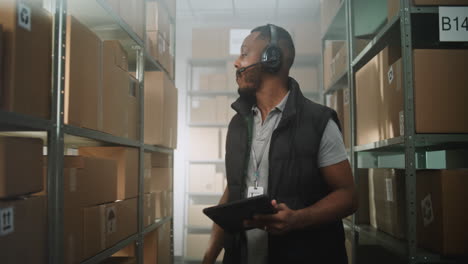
[
  {"x": 111, "y": 220},
  {"x": 24, "y": 16},
  {"x": 389, "y": 189},
  {"x": 7, "y": 221},
  {"x": 427, "y": 211}
]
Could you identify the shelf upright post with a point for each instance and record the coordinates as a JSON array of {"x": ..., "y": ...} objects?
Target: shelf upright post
[
  {"x": 55, "y": 148},
  {"x": 352, "y": 105},
  {"x": 140, "y": 75},
  {"x": 409, "y": 129}
]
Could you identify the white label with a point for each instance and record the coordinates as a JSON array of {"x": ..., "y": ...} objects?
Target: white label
[
  {"x": 111, "y": 220},
  {"x": 7, "y": 221},
  {"x": 390, "y": 75},
  {"x": 73, "y": 180},
  {"x": 195, "y": 104},
  {"x": 389, "y": 188},
  {"x": 453, "y": 23},
  {"x": 402, "y": 123},
  {"x": 252, "y": 191},
  {"x": 427, "y": 211},
  {"x": 24, "y": 16},
  {"x": 346, "y": 96},
  {"x": 236, "y": 37}
]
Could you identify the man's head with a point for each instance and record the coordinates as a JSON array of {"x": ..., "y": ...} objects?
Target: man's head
[{"x": 250, "y": 79}]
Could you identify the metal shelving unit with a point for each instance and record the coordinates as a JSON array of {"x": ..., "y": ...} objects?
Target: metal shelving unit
[
  {"x": 410, "y": 152},
  {"x": 99, "y": 17}
]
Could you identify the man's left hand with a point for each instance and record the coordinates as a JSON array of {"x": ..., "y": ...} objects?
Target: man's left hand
[{"x": 278, "y": 224}]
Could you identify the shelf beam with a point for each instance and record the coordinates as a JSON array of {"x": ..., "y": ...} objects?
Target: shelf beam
[{"x": 111, "y": 251}]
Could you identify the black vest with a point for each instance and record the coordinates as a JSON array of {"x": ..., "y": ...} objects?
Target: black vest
[{"x": 294, "y": 179}]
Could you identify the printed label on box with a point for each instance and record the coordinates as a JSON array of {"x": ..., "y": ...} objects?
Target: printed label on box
[
  {"x": 24, "y": 16},
  {"x": 390, "y": 75},
  {"x": 111, "y": 219},
  {"x": 7, "y": 221},
  {"x": 389, "y": 188},
  {"x": 427, "y": 211}
]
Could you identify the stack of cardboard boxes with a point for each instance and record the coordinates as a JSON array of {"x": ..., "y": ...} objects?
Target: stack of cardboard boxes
[
  {"x": 25, "y": 50},
  {"x": 100, "y": 93},
  {"x": 160, "y": 110},
  {"x": 334, "y": 61},
  {"x": 100, "y": 200},
  {"x": 19, "y": 206},
  {"x": 160, "y": 35},
  {"x": 441, "y": 211},
  {"x": 158, "y": 187}
]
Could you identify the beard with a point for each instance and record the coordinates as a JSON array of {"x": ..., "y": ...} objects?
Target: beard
[{"x": 251, "y": 84}]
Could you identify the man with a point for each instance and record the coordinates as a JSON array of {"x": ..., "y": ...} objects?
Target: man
[{"x": 286, "y": 146}]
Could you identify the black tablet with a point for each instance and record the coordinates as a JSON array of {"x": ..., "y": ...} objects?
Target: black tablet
[{"x": 230, "y": 216}]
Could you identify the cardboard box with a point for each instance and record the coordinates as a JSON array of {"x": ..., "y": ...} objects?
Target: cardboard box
[
  {"x": 330, "y": 51},
  {"x": 205, "y": 179},
  {"x": 170, "y": 204},
  {"x": 105, "y": 225},
  {"x": 204, "y": 144},
  {"x": 209, "y": 110},
  {"x": 1, "y": 57},
  {"x": 442, "y": 212},
  {"x": 17, "y": 228},
  {"x": 161, "y": 180},
  {"x": 127, "y": 162},
  {"x": 115, "y": 87},
  {"x": 120, "y": 260},
  {"x": 339, "y": 63},
  {"x": 210, "y": 43},
  {"x": 393, "y": 8},
  {"x": 379, "y": 98},
  {"x": 133, "y": 13},
  {"x": 212, "y": 82},
  {"x": 165, "y": 245},
  {"x": 362, "y": 188},
  {"x": 440, "y": 90},
  {"x": 197, "y": 218},
  {"x": 328, "y": 11},
  {"x": 149, "y": 208},
  {"x": 15, "y": 177},
  {"x": 388, "y": 198},
  {"x": 307, "y": 77},
  {"x": 162, "y": 204},
  {"x": 346, "y": 118},
  {"x": 441, "y": 2},
  {"x": 150, "y": 250},
  {"x": 161, "y": 106},
  {"x": 161, "y": 160},
  {"x": 84, "y": 179},
  {"x": 306, "y": 40},
  {"x": 82, "y": 77},
  {"x": 152, "y": 12},
  {"x": 335, "y": 101},
  {"x": 133, "y": 106},
  {"x": 197, "y": 245},
  {"x": 27, "y": 51}
]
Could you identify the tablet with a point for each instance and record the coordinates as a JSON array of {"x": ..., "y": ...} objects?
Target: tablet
[{"x": 230, "y": 216}]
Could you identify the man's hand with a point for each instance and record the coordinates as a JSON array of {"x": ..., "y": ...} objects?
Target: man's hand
[{"x": 280, "y": 223}]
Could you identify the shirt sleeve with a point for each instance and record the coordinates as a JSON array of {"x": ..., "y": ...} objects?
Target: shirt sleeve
[{"x": 332, "y": 148}]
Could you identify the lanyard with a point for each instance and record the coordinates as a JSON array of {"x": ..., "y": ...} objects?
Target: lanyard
[{"x": 258, "y": 162}]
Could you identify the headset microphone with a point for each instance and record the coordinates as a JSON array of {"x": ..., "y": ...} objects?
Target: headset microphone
[{"x": 243, "y": 69}]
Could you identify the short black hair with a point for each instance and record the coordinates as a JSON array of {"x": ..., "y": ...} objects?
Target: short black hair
[{"x": 284, "y": 41}]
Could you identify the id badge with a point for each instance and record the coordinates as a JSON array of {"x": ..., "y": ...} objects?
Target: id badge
[{"x": 252, "y": 191}]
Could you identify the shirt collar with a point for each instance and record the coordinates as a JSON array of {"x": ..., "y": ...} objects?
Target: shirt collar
[{"x": 280, "y": 107}]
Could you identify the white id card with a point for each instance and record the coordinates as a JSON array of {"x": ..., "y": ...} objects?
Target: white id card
[{"x": 252, "y": 191}]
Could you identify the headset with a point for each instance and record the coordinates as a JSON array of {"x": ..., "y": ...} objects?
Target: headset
[{"x": 271, "y": 55}]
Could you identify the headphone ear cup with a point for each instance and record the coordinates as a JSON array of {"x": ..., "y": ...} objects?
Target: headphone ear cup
[{"x": 271, "y": 59}]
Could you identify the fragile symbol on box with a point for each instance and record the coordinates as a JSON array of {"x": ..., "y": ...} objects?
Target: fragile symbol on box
[
  {"x": 111, "y": 220},
  {"x": 7, "y": 220},
  {"x": 427, "y": 211},
  {"x": 24, "y": 16}
]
